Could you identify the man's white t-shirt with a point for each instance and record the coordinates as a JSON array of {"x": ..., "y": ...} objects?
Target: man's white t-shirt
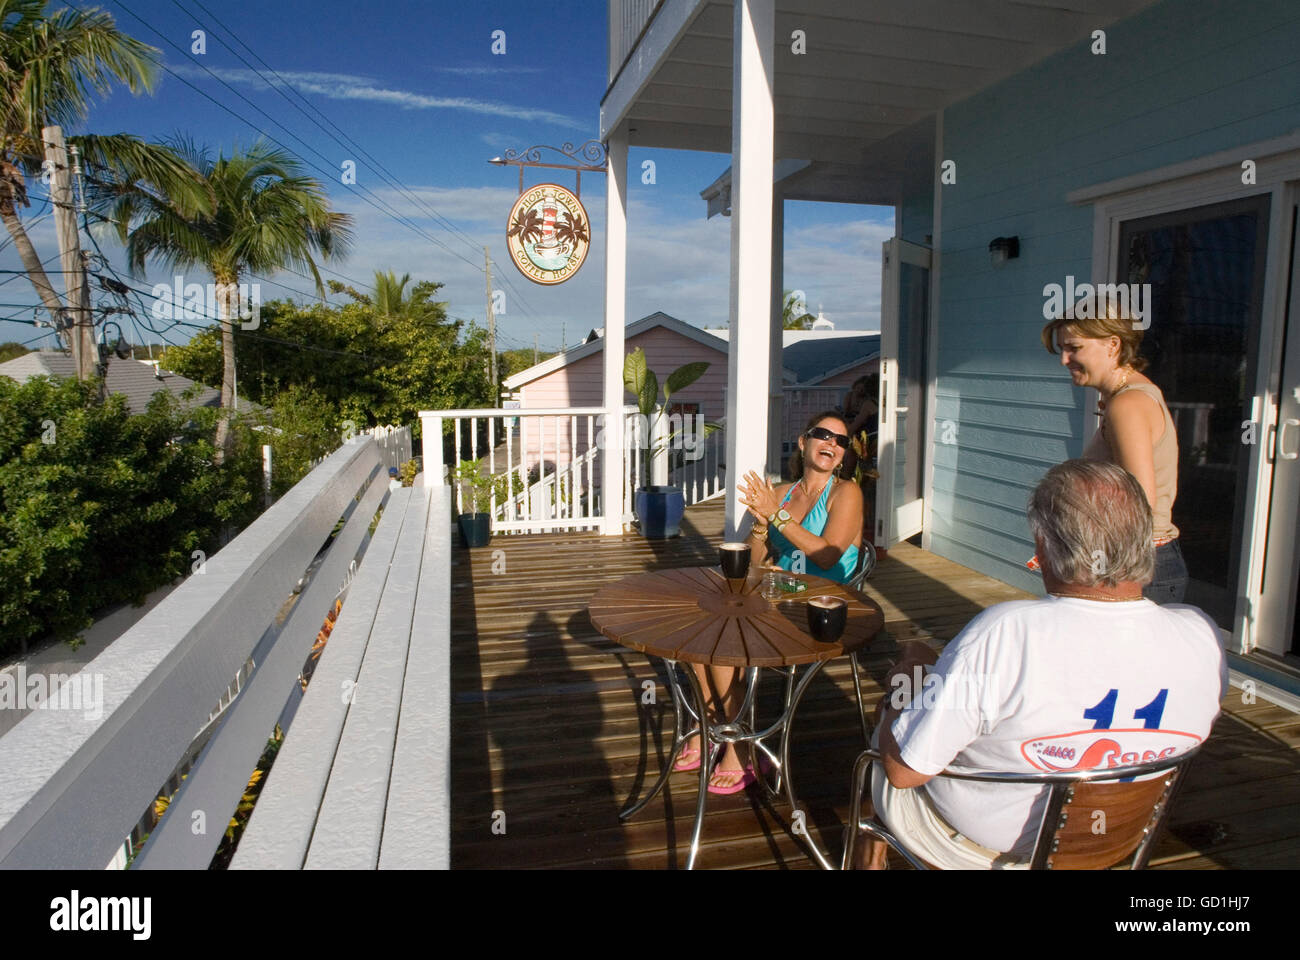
[{"x": 1057, "y": 684}]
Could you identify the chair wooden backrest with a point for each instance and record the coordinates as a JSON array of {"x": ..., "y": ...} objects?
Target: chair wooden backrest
[
  {"x": 1094, "y": 819},
  {"x": 1099, "y": 824}
]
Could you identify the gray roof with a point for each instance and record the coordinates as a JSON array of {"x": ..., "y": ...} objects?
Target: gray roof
[
  {"x": 814, "y": 359},
  {"x": 135, "y": 379}
]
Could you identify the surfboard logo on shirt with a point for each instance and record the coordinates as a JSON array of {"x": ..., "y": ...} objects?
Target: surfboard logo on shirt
[{"x": 1089, "y": 749}]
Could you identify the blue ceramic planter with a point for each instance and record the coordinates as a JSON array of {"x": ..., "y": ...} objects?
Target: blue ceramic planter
[
  {"x": 659, "y": 511},
  {"x": 475, "y": 529}
]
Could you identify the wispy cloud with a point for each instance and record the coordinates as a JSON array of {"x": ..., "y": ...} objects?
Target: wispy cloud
[
  {"x": 486, "y": 71},
  {"x": 345, "y": 86}
]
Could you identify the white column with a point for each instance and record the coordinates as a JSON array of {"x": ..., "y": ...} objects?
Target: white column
[
  {"x": 612, "y": 472},
  {"x": 752, "y": 128},
  {"x": 435, "y": 474},
  {"x": 932, "y": 339},
  {"x": 776, "y": 341}
]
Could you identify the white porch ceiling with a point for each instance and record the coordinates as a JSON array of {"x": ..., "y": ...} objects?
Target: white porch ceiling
[{"x": 860, "y": 100}]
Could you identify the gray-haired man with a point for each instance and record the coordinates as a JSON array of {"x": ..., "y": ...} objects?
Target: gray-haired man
[{"x": 1090, "y": 675}]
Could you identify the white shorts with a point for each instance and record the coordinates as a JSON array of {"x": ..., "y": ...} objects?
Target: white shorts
[{"x": 911, "y": 817}]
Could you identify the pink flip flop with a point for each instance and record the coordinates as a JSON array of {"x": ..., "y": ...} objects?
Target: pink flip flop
[
  {"x": 748, "y": 778},
  {"x": 693, "y": 756}
]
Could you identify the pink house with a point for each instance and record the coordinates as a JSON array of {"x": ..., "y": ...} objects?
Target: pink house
[
  {"x": 573, "y": 378},
  {"x": 818, "y": 367}
]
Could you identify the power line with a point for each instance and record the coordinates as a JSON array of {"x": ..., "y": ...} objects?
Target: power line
[
  {"x": 367, "y": 196},
  {"x": 384, "y": 172},
  {"x": 328, "y": 173},
  {"x": 378, "y": 166},
  {"x": 23, "y": 273},
  {"x": 254, "y": 336},
  {"x": 48, "y": 333}
]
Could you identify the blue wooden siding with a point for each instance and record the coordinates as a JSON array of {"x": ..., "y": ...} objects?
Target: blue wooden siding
[
  {"x": 1182, "y": 79},
  {"x": 917, "y": 218}
]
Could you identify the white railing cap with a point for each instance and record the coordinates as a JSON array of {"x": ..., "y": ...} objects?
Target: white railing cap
[{"x": 544, "y": 412}]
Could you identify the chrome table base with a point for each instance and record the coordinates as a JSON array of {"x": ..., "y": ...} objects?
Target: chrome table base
[{"x": 742, "y": 730}]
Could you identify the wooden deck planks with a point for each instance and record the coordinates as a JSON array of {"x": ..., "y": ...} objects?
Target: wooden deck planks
[{"x": 551, "y": 737}]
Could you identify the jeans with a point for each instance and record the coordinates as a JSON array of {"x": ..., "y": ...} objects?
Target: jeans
[{"x": 1170, "y": 581}]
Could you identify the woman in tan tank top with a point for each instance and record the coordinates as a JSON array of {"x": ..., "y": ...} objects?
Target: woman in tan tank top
[{"x": 1136, "y": 431}]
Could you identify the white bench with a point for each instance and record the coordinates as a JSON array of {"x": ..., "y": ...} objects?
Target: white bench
[
  {"x": 75, "y": 785},
  {"x": 362, "y": 779}
]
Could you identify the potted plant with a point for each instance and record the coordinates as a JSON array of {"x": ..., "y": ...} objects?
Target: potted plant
[
  {"x": 659, "y": 508},
  {"x": 476, "y": 491}
]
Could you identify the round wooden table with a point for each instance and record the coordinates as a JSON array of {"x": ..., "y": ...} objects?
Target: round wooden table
[{"x": 695, "y": 615}]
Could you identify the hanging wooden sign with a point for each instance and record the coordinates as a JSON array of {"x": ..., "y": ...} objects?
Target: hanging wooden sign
[{"x": 548, "y": 234}]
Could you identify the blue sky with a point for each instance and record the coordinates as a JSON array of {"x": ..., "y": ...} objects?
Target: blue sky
[{"x": 416, "y": 84}]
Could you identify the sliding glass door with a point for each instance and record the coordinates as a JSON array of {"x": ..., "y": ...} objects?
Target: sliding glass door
[{"x": 1206, "y": 268}]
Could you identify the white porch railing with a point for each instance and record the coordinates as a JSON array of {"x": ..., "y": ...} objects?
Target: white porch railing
[
  {"x": 78, "y": 780},
  {"x": 394, "y": 443},
  {"x": 627, "y": 18},
  {"x": 547, "y": 464},
  {"x": 698, "y": 466}
]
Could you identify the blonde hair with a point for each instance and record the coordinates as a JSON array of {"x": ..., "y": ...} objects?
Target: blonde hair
[{"x": 1106, "y": 317}]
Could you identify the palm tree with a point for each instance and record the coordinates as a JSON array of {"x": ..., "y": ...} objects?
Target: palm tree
[
  {"x": 390, "y": 294},
  {"x": 793, "y": 314},
  {"x": 50, "y": 67},
  {"x": 267, "y": 216}
]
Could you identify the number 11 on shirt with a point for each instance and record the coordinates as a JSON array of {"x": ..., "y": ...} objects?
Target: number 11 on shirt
[{"x": 1104, "y": 712}]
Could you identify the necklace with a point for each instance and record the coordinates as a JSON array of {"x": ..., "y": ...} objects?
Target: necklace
[
  {"x": 1081, "y": 596},
  {"x": 803, "y": 482},
  {"x": 1101, "y": 404}
]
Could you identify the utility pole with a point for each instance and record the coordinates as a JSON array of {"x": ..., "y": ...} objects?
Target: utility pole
[
  {"x": 82, "y": 334},
  {"x": 492, "y": 327},
  {"x": 535, "y": 349}
]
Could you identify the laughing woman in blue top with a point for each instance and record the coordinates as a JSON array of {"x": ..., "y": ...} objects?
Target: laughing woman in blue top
[
  {"x": 815, "y": 516},
  {"x": 815, "y": 520}
]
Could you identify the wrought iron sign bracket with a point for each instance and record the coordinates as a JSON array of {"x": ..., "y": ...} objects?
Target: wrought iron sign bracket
[{"x": 589, "y": 156}]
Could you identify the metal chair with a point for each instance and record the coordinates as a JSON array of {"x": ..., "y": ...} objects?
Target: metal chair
[
  {"x": 865, "y": 565},
  {"x": 1134, "y": 813}
]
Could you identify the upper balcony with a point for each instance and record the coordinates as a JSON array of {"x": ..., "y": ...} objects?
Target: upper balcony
[{"x": 627, "y": 22}]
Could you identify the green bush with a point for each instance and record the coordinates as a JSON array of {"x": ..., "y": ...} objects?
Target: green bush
[
  {"x": 303, "y": 427},
  {"x": 98, "y": 507}
]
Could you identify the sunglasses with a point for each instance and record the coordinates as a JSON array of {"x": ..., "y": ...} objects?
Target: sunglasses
[{"x": 821, "y": 433}]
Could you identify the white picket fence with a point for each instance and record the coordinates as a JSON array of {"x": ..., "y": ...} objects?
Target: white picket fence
[
  {"x": 554, "y": 459},
  {"x": 698, "y": 465},
  {"x": 394, "y": 442}
]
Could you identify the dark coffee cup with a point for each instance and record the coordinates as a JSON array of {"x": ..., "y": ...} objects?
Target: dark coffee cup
[
  {"x": 827, "y": 617},
  {"x": 734, "y": 560}
]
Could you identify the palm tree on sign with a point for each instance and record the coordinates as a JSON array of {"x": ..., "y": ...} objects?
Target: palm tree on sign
[
  {"x": 51, "y": 65},
  {"x": 267, "y": 216}
]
